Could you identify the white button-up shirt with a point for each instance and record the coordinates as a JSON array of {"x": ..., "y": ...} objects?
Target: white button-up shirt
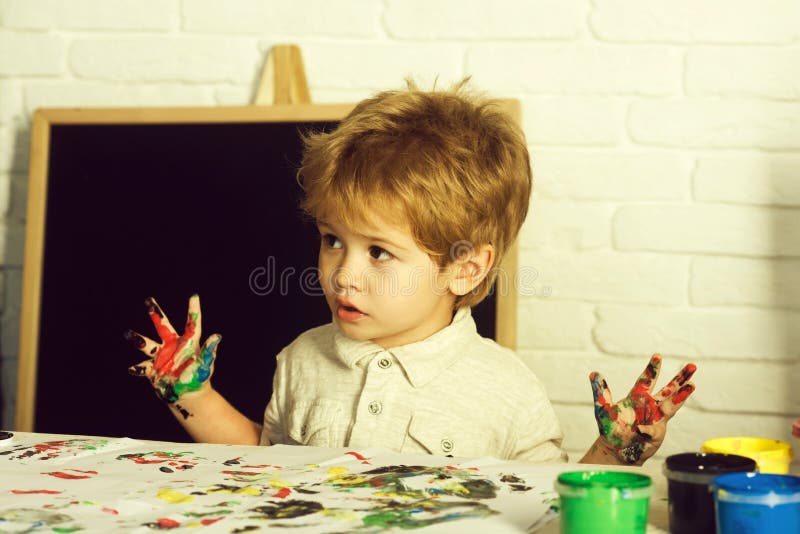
[{"x": 454, "y": 393}]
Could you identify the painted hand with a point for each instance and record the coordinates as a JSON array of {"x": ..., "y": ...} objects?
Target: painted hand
[
  {"x": 177, "y": 365},
  {"x": 634, "y": 428}
]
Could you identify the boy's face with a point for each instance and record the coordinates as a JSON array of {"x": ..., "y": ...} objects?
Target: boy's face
[{"x": 380, "y": 285}]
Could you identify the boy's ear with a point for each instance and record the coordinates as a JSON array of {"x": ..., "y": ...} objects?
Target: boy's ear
[{"x": 470, "y": 270}]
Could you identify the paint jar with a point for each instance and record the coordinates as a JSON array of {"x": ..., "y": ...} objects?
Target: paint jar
[
  {"x": 603, "y": 501},
  {"x": 756, "y": 503},
  {"x": 771, "y": 455},
  {"x": 689, "y": 476}
]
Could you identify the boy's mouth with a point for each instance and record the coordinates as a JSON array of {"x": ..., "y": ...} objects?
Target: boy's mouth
[{"x": 347, "y": 311}]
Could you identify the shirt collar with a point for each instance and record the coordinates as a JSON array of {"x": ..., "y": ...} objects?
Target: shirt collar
[{"x": 422, "y": 360}]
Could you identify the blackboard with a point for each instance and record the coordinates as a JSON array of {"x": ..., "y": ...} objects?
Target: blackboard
[{"x": 127, "y": 204}]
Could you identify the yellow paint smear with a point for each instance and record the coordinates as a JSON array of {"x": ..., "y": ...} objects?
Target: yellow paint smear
[
  {"x": 341, "y": 515},
  {"x": 277, "y": 483},
  {"x": 174, "y": 497},
  {"x": 337, "y": 470}
]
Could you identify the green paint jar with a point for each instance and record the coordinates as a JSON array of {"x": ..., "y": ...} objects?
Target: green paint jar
[{"x": 603, "y": 501}]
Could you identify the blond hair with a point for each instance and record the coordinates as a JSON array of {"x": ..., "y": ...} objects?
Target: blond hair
[{"x": 449, "y": 166}]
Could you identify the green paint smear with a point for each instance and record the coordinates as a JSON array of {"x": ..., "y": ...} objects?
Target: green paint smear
[
  {"x": 66, "y": 529},
  {"x": 203, "y": 514}
]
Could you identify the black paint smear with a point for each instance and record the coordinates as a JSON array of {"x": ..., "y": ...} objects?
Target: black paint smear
[
  {"x": 248, "y": 528},
  {"x": 303, "y": 490},
  {"x": 184, "y": 467},
  {"x": 233, "y": 461},
  {"x": 397, "y": 469},
  {"x": 288, "y": 509},
  {"x": 479, "y": 489},
  {"x": 520, "y": 487},
  {"x": 183, "y": 411},
  {"x": 511, "y": 479},
  {"x": 165, "y": 469}
]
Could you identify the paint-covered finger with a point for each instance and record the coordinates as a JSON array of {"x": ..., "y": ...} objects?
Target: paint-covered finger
[
  {"x": 649, "y": 376},
  {"x": 677, "y": 381},
  {"x": 144, "y": 369},
  {"x": 193, "y": 329},
  {"x": 165, "y": 330},
  {"x": 600, "y": 391},
  {"x": 143, "y": 343},
  {"x": 673, "y": 403}
]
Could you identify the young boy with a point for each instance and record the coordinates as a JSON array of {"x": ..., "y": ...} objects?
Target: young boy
[{"x": 417, "y": 196}]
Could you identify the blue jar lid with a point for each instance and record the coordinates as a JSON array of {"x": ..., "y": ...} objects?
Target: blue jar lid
[{"x": 757, "y": 488}]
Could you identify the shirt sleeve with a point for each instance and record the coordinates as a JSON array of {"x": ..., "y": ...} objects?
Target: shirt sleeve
[
  {"x": 538, "y": 435},
  {"x": 273, "y": 430}
]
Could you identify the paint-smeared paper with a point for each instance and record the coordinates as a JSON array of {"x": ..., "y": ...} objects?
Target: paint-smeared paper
[{"x": 68, "y": 484}]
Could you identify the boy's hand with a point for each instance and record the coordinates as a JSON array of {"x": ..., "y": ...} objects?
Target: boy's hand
[
  {"x": 633, "y": 429},
  {"x": 178, "y": 364}
]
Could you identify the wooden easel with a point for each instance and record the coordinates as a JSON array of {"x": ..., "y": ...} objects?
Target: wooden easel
[{"x": 283, "y": 79}]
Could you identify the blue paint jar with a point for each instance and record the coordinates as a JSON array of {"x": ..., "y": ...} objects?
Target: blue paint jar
[{"x": 756, "y": 503}]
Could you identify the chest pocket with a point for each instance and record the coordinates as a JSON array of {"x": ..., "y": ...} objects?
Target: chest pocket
[
  {"x": 437, "y": 434},
  {"x": 314, "y": 423}
]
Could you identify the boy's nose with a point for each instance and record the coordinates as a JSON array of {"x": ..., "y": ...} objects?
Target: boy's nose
[{"x": 345, "y": 279}]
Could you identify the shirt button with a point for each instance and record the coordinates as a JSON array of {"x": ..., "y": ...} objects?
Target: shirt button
[
  {"x": 384, "y": 363},
  {"x": 447, "y": 445},
  {"x": 375, "y": 407}
]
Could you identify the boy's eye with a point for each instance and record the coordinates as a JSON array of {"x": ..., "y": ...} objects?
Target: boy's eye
[
  {"x": 331, "y": 241},
  {"x": 380, "y": 254}
]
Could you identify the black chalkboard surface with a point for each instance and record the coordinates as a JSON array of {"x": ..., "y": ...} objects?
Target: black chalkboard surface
[{"x": 147, "y": 203}]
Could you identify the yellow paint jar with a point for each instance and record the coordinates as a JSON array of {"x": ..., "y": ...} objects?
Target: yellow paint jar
[{"x": 771, "y": 455}]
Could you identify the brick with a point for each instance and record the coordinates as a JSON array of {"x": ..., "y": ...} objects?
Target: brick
[
  {"x": 618, "y": 175},
  {"x": 234, "y": 96},
  {"x": 694, "y": 333},
  {"x": 12, "y": 243},
  {"x": 10, "y": 101},
  {"x": 476, "y": 19},
  {"x": 769, "y": 283},
  {"x": 691, "y": 427},
  {"x": 34, "y": 54},
  {"x": 79, "y": 93},
  {"x": 765, "y": 179},
  {"x": 610, "y": 276},
  {"x": 90, "y": 14},
  {"x": 12, "y": 295},
  {"x": 355, "y": 18},
  {"x": 577, "y": 68},
  {"x": 149, "y": 59},
  {"x": 14, "y": 148},
  {"x": 728, "y": 123},
  {"x": 718, "y": 71},
  {"x": 686, "y": 21},
  {"x": 709, "y": 229},
  {"x": 375, "y": 66},
  {"x": 564, "y": 225},
  {"x": 573, "y": 120},
  {"x": 5, "y": 194},
  {"x": 720, "y": 384},
  {"x": 8, "y": 391},
  {"x": 548, "y": 324},
  {"x": 18, "y": 197}
]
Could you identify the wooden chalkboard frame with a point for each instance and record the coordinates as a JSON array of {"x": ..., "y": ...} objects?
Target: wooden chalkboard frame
[{"x": 44, "y": 119}]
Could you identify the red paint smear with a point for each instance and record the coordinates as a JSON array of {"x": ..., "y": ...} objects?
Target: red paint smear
[
  {"x": 82, "y": 471},
  {"x": 142, "y": 460},
  {"x": 282, "y": 493},
  {"x": 262, "y": 466},
  {"x": 210, "y": 520},
  {"x": 168, "y": 523},
  {"x": 110, "y": 511},
  {"x": 29, "y": 492},
  {"x": 356, "y": 455},
  {"x": 682, "y": 393},
  {"x": 60, "y": 474}
]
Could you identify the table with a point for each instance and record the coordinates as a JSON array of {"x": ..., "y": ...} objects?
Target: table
[{"x": 63, "y": 483}]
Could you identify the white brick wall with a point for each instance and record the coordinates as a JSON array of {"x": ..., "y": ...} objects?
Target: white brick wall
[{"x": 665, "y": 137}]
